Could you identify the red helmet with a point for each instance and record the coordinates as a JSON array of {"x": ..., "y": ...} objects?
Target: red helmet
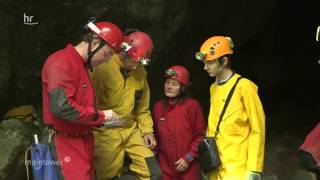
[
  {"x": 179, "y": 73},
  {"x": 109, "y": 32},
  {"x": 139, "y": 46}
]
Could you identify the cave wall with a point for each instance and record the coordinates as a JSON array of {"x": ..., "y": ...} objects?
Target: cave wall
[{"x": 274, "y": 42}]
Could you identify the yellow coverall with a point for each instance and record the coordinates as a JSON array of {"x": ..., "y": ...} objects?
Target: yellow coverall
[
  {"x": 241, "y": 137},
  {"x": 126, "y": 93}
]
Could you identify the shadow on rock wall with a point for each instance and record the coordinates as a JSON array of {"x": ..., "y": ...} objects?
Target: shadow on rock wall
[{"x": 271, "y": 40}]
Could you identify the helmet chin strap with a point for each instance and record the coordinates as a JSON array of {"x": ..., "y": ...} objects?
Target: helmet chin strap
[{"x": 91, "y": 53}]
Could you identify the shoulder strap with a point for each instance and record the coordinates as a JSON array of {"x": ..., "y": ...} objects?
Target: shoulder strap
[{"x": 226, "y": 104}]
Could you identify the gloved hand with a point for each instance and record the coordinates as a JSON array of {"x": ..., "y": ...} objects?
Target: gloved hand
[{"x": 254, "y": 176}]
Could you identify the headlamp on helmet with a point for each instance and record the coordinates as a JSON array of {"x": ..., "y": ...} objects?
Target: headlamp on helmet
[
  {"x": 200, "y": 56},
  {"x": 145, "y": 61},
  {"x": 125, "y": 46},
  {"x": 170, "y": 72}
]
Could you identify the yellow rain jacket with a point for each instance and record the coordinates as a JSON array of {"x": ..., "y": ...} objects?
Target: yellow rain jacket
[
  {"x": 241, "y": 137},
  {"x": 128, "y": 97},
  {"x": 126, "y": 93}
]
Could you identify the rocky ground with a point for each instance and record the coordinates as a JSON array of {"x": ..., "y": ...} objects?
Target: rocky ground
[{"x": 281, "y": 159}]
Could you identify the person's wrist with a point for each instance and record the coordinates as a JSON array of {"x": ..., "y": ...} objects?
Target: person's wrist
[
  {"x": 150, "y": 133},
  {"x": 188, "y": 158}
]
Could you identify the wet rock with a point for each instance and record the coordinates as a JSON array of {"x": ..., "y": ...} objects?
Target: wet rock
[
  {"x": 282, "y": 151},
  {"x": 304, "y": 175},
  {"x": 16, "y": 136},
  {"x": 269, "y": 177},
  {"x": 176, "y": 27}
]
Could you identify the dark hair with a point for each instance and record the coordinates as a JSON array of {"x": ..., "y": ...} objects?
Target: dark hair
[
  {"x": 221, "y": 60},
  {"x": 85, "y": 37},
  {"x": 86, "y": 33},
  {"x": 184, "y": 93}
]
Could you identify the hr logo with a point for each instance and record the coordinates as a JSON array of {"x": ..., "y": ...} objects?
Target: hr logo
[{"x": 28, "y": 20}]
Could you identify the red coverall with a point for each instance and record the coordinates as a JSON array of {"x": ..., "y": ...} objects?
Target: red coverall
[
  {"x": 312, "y": 144},
  {"x": 69, "y": 105},
  {"x": 179, "y": 129}
]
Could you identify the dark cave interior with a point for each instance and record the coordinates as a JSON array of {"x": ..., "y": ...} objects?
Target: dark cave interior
[{"x": 275, "y": 47}]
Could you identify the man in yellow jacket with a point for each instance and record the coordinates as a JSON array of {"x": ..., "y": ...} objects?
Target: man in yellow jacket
[
  {"x": 241, "y": 135},
  {"x": 121, "y": 85}
]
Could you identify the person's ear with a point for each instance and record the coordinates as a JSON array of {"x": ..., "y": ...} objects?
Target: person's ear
[
  {"x": 225, "y": 60},
  {"x": 95, "y": 43},
  {"x": 121, "y": 55}
]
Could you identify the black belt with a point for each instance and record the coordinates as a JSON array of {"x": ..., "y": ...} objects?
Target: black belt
[{"x": 79, "y": 134}]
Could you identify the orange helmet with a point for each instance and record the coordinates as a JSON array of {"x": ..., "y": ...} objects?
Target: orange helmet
[
  {"x": 215, "y": 47},
  {"x": 139, "y": 46}
]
